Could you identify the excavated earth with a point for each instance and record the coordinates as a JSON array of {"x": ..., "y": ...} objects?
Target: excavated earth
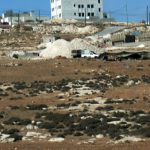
[{"x": 74, "y": 104}]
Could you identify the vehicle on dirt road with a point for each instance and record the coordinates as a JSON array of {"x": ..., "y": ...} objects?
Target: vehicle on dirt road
[{"x": 84, "y": 54}]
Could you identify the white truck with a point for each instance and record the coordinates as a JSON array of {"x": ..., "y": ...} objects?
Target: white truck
[{"x": 84, "y": 54}]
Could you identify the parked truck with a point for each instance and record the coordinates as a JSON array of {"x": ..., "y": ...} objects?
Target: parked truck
[{"x": 84, "y": 54}]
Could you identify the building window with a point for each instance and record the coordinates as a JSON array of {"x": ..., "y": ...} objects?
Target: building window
[
  {"x": 99, "y": 1},
  {"x": 92, "y": 6},
  {"x": 89, "y": 14},
  {"x": 74, "y": 5},
  {"x": 88, "y": 6},
  {"x": 82, "y": 14},
  {"x": 82, "y": 6},
  {"x": 99, "y": 9},
  {"x": 59, "y": 7},
  {"x": 74, "y": 14},
  {"x": 52, "y": 1},
  {"x": 92, "y": 14},
  {"x": 79, "y": 6},
  {"x": 59, "y": 15},
  {"x": 79, "y": 14},
  {"x": 53, "y": 9}
]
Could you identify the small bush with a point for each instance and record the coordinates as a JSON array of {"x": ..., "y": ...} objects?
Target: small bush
[{"x": 17, "y": 121}]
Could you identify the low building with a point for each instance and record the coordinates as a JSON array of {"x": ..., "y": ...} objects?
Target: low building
[
  {"x": 144, "y": 37},
  {"x": 14, "y": 18},
  {"x": 122, "y": 38}
]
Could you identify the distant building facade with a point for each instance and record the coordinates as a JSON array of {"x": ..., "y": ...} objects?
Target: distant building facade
[
  {"x": 77, "y": 9},
  {"x": 13, "y": 18}
]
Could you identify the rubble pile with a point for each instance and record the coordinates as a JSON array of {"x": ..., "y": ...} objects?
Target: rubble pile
[
  {"x": 95, "y": 40},
  {"x": 58, "y": 48},
  {"x": 66, "y": 29},
  {"x": 83, "y": 44},
  {"x": 76, "y": 30},
  {"x": 63, "y": 48}
]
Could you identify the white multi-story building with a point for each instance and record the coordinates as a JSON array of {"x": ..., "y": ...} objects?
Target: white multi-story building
[{"x": 77, "y": 9}]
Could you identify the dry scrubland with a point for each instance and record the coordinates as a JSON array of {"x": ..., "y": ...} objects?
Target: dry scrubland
[
  {"x": 71, "y": 103},
  {"x": 82, "y": 103}
]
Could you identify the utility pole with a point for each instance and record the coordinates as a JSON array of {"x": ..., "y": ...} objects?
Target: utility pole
[
  {"x": 127, "y": 17},
  {"x": 85, "y": 16},
  {"x": 11, "y": 16},
  {"x": 39, "y": 15},
  {"x": 149, "y": 18},
  {"x": 147, "y": 13},
  {"x": 18, "y": 18},
  {"x": 110, "y": 14}
]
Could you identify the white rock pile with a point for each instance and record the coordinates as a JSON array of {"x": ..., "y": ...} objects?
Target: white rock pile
[
  {"x": 58, "y": 48},
  {"x": 63, "y": 48},
  {"x": 80, "y": 30}
]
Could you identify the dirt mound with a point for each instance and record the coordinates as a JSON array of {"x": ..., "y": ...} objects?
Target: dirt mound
[
  {"x": 76, "y": 30},
  {"x": 83, "y": 44},
  {"x": 63, "y": 48},
  {"x": 58, "y": 48}
]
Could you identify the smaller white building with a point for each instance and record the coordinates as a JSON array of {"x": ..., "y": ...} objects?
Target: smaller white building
[{"x": 21, "y": 18}]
